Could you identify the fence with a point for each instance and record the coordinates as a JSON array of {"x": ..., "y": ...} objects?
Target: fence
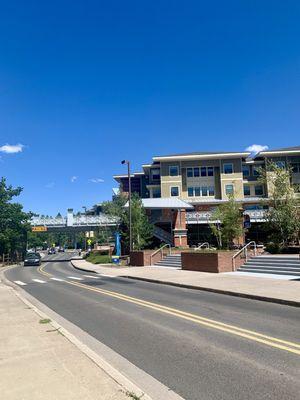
[{"x": 8, "y": 259}]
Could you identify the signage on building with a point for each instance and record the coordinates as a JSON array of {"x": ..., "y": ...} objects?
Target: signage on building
[{"x": 39, "y": 229}]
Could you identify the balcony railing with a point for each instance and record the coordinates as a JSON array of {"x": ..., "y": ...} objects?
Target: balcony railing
[{"x": 206, "y": 217}]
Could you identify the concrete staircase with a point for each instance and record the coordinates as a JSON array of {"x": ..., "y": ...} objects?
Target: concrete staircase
[
  {"x": 278, "y": 265},
  {"x": 173, "y": 260}
]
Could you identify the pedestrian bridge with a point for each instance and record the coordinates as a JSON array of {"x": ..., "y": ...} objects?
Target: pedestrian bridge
[{"x": 76, "y": 222}]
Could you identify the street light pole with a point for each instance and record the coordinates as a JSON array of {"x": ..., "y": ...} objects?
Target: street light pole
[
  {"x": 84, "y": 207},
  {"x": 129, "y": 202}
]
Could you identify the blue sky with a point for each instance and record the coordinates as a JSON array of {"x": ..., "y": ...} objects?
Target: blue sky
[{"x": 86, "y": 84}]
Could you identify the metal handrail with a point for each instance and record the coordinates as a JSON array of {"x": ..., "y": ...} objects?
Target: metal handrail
[
  {"x": 160, "y": 250},
  {"x": 206, "y": 244},
  {"x": 245, "y": 249}
]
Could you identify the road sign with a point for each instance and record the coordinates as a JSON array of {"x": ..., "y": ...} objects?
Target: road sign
[{"x": 39, "y": 229}]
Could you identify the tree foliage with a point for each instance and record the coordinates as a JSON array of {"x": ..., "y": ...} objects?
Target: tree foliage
[
  {"x": 14, "y": 222},
  {"x": 142, "y": 230},
  {"x": 229, "y": 226},
  {"x": 283, "y": 215}
]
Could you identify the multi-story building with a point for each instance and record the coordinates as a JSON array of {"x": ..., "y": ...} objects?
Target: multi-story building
[{"x": 181, "y": 191}]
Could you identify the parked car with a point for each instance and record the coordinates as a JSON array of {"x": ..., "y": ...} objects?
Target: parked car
[
  {"x": 61, "y": 249},
  {"x": 32, "y": 259},
  {"x": 51, "y": 250}
]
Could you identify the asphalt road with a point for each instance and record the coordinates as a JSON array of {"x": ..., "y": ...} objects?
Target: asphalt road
[{"x": 200, "y": 344}]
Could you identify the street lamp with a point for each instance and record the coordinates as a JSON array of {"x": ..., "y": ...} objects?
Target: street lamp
[
  {"x": 84, "y": 207},
  {"x": 129, "y": 202}
]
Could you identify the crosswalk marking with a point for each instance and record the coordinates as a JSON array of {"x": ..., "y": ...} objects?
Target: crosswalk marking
[
  {"x": 57, "y": 279},
  {"x": 91, "y": 276},
  {"x": 38, "y": 281},
  {"x": 20, "y": 283},
  {"x": 75, "y": 277}
]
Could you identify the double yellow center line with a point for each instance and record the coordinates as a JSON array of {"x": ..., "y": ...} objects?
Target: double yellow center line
[{"x": 234, "y": 330}]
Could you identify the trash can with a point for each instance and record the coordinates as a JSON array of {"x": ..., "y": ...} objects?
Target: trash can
[{"x": 115, "y": 260}]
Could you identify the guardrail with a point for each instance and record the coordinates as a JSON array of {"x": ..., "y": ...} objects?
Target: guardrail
[
  {"x": 245, "y": 250},
  {"x": 161, "y": 251}
]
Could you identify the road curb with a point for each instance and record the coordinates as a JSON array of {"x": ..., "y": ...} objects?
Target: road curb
[
  {"x": 60, "y": 323},
  {"x": 206, "y": 289}
]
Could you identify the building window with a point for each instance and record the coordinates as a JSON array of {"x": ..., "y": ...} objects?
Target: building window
[
  {"x": 189, "y": 172},
  {"x": 173, "y": 170},
  {"x": 204, "y": 191},
  {"x": 197, "y": 191},
  {"x": 259, "y": 190},
  {"x": 247, "y": 190},
  {"x": 174, "y": 191},
  {"x": 229, "y": 189},
  {"x": 280, "y": 164},
  {"x": 190, "y": 191},
  {"x": 256, "y": 171},
  {"x": 196, "y": 172},
  {"x": 155, "y": 174},
  {"x": 211, "y": 191},
  {"x": 295, "y": 168},
  {"x": 228, "y": 168},
  {"x": 210, "y": 171},
  {"x": 246, "y": 171},
  {"x": 203, "y": 171},
  {"x": 156, "y": 193}
]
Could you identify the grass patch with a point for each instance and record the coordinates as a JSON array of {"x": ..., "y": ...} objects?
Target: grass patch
[
  {"x": 98, "y": 258},
  {"x": 45, "y": 321}
]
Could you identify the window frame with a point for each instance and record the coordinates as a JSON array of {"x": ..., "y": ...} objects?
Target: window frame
[
  {"x": 193, "y": 191},
  {"x": 226, "y": 186},
  {"x": 178, "y": 191},
  {"x": 228, "y": 173},
  {"x": 248, "y": 169},
  {"x": 212, "y": 170},
  {"x": 189, "y": 169},
  {"x": 262, "y": 192},
  {"x": 249, "y": 187},
  {"x": 173, "y": 166}
]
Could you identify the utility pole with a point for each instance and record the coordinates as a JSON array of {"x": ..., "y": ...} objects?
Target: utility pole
[{"x": 129, "y": 202}]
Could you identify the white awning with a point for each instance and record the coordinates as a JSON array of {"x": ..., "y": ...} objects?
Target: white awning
[{"x": 165, "y": 202}]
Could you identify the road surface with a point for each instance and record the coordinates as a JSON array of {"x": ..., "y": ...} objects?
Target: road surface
[{"x": 201, "y": 345}]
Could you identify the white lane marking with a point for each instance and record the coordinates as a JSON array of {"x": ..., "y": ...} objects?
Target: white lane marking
[
  {"x": 75, "y": 277},
  {"x": 57, "y": 279},
  {"x": 38, "y": 281},
  {"x": 91, "y": 276},
  {"x": 20, "y": 283},
  {"x": 109, "y": 276}
]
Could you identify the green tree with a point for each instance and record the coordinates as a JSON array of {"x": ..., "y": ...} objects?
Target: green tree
[
  {"x": 283, "y": 214},
  {"x": 229, "y": 226},
  {"x": 14, "y": 222},
  {"x": 142, "y": 229}
]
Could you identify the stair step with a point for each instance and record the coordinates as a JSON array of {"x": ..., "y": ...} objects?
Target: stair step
[
  {"x": 265, "y": 271},
  {"x": 256, "y": 267},
  {"x": 276, "y": 259},
  {"x": 287, "y": 265}
]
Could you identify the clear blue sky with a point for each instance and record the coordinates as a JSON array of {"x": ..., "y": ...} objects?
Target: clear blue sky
[{"x": 85, "y": 84}]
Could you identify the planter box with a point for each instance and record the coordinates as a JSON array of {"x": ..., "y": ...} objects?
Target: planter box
[
  {"x": 206, "y": 261},
  {"x": 142, "y": 258}
]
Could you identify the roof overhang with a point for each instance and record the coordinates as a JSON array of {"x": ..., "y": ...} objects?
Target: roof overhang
[
  {"x": 277, "y": 152},
  {"x": 200, "y": 156}
]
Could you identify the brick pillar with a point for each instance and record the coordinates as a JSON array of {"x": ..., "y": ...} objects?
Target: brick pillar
[{"x": 180, "y": 230}]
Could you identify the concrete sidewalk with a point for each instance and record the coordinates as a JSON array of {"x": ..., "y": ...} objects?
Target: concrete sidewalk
[
  {"x": 266, "y": 289},
  {"x": 37, "y": 362}
]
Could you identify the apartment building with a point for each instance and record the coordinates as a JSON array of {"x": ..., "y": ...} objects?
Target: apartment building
[{"x": 196, "y": 183}]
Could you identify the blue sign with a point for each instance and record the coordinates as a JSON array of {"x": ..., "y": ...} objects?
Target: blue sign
[{"x": 118, "y": 243}]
